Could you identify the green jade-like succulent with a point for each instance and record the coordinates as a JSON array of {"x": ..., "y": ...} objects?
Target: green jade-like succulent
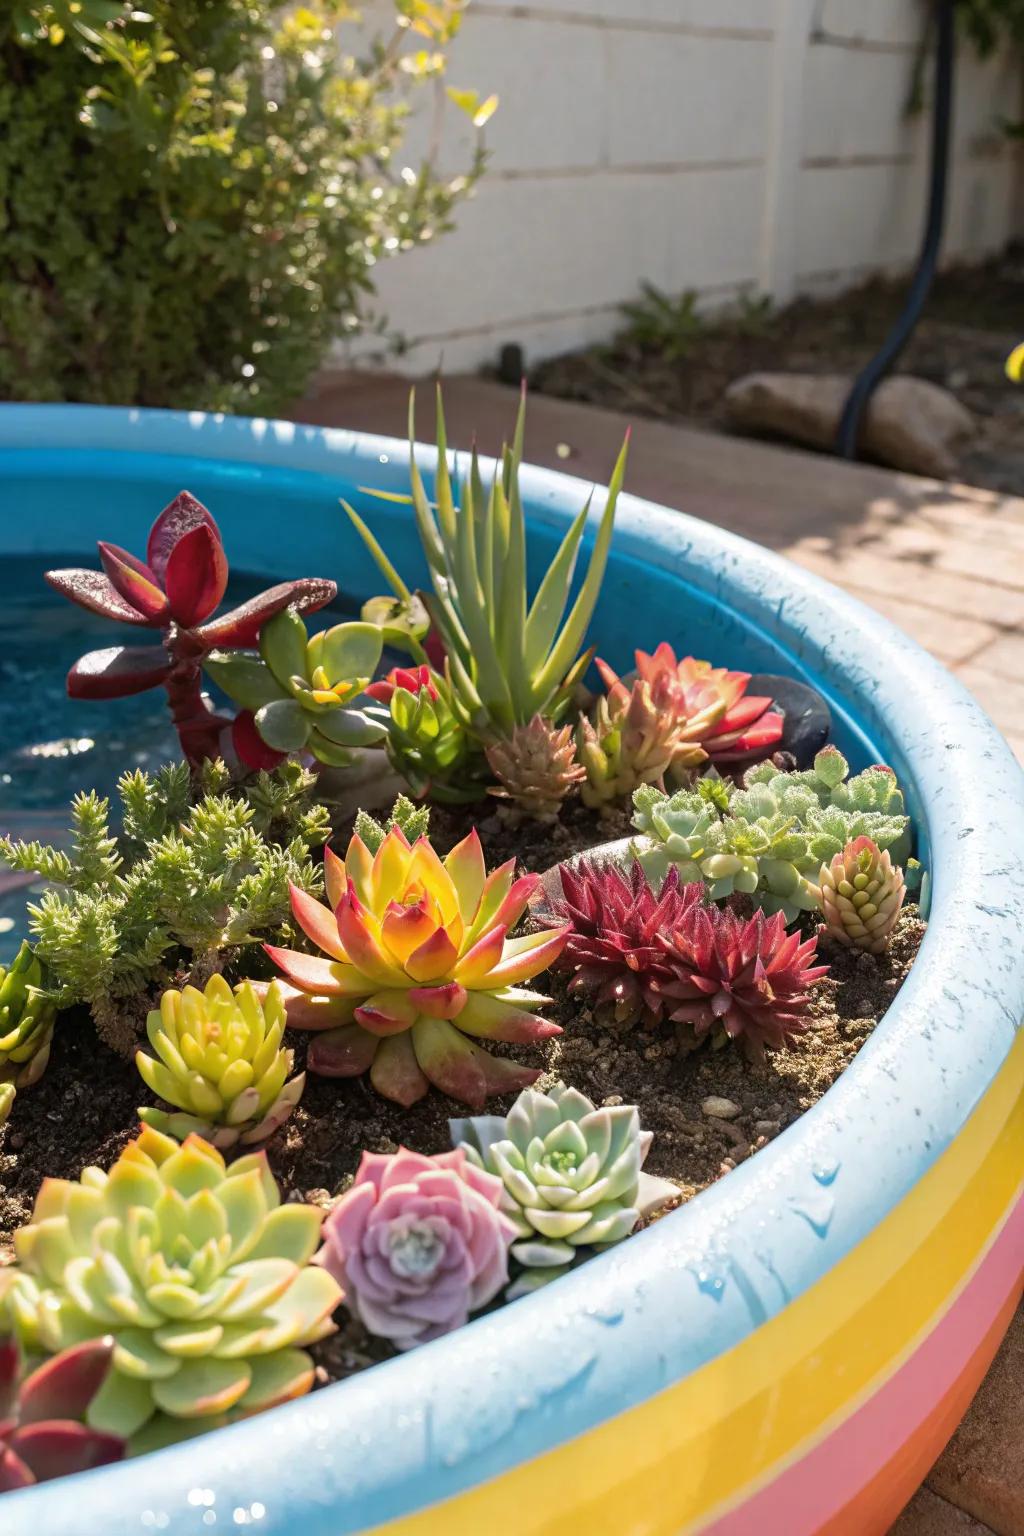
[
  {"x": 26, "y": 1022},
  {"x": 301, "y": 688},
  {"x": 571, "y": 1175},
  {"x": 769, "y": 839}
]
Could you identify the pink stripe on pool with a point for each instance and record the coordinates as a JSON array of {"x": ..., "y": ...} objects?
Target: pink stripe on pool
[{"x": 805, "y": 1496}]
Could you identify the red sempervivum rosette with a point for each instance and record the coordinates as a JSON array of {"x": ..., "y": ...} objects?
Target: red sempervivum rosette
[
  {"x": 418, "y": 965},
  {"x": 750, "y": 979}
]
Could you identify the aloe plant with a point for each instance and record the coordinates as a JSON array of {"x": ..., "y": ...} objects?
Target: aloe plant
[{"x": 508, "y": 659}]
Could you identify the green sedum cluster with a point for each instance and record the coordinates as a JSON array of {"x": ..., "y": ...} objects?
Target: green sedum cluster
[
  {"x": 198, "y": 1272},
  {"x": 186, "y": 886},
  {"x": 196, "y": 192},
  {"x": 769, "y": 839}
]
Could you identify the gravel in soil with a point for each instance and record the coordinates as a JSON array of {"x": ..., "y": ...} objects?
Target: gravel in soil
[
  {"x": 83, "y": 1110},
  {"x": 962, "y": 342}
]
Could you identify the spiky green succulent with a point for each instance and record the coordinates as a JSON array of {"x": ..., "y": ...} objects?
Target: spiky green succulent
[
  {"x": 507, "y": 659},
  {"x": 219, "y": 1060},
  {"x": 26, "y": 1020},
  {"x": 770, "y": 838},
  {"x": 198, "y": 1271},
  {"x": 301, "y": 689},
  {"x": 571, "y": 1174}
]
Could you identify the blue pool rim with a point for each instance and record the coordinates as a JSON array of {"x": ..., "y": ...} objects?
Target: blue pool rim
[{"x": 426, "y": 1426}]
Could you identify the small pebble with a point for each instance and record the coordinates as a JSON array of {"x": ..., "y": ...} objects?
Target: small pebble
[
  {"x": 720, "y": 1109},
  {"x": 767, "y": 1127},
  {"x": 612, "y": 1100}
]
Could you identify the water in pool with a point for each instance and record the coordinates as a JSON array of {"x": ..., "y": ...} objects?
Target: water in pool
[{"x": 52, "y": 746}]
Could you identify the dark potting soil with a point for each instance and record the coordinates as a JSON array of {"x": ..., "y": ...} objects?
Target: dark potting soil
[{"x": 83, "y": 1110}]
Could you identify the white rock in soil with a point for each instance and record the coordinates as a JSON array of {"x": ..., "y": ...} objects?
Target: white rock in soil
[
  {"x": 720, "y": 1109},
  {"x": 910, "y": 423}
]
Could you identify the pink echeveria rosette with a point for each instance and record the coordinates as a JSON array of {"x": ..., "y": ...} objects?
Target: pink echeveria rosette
[{"x": 417, "y": 1244}]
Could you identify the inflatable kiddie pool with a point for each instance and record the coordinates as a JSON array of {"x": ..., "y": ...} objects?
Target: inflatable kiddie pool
[{"x": 789, "y": 1352}]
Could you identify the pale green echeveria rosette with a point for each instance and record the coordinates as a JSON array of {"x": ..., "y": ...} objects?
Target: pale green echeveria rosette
[
  {"x": 571, "y": 1176},
  {"x": 197, "y": 1270},
  {"x": 302, "y": 689}
]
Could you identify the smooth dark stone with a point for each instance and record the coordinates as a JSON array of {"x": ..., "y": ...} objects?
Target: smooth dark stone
[{"x": 808, "y": 720}]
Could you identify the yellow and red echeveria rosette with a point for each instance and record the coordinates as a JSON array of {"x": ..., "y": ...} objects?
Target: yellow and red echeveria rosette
[
  {"x": 729, "y": 724},
  {"x": 417, "y": 966}
]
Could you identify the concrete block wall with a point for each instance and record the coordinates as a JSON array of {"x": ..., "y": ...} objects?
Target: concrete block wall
[{"x": 718, "y": 145}]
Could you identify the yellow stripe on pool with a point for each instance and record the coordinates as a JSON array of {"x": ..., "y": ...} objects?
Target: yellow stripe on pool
[{"x": 676, "y": 1461}]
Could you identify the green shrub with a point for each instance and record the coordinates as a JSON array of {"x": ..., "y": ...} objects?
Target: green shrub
[{"x": 193, "y": 194}]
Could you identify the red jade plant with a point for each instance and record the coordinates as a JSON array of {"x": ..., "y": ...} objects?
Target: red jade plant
[{"x": 175, "y": 590}]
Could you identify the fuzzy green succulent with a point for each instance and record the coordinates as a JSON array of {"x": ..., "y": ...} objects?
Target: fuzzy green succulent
[
  {"x": 219, "y": 1060},
  {"x": 770, "y": 838},
  {"x": 26, "y": 1021},
  {"x": 571, "y": 1175},
  {"x": 198, "y": 1272},
  {"x": 189, "y": 882}
]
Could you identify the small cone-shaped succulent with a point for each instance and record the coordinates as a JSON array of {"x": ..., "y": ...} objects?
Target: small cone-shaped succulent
[
  {"x": 536, "y": 767},
  {"x": 7, "y": 1096},
  {"x": 570, "y": 1172},
  {"x": 26, "y": 1020},
  {"x": 862, "y": 892},
  {"x": 198, "y": 1272},
  {"x": 634, "y": 738},
  {"x": 417, "y": 1243},
  {"x": 42, "y": 1435},
  {"x": 417, "y": 966},
  {"x": 220, "y": 1061}
]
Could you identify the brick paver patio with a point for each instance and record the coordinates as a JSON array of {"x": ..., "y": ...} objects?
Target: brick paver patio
[{"x": 945, "y": 562}]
